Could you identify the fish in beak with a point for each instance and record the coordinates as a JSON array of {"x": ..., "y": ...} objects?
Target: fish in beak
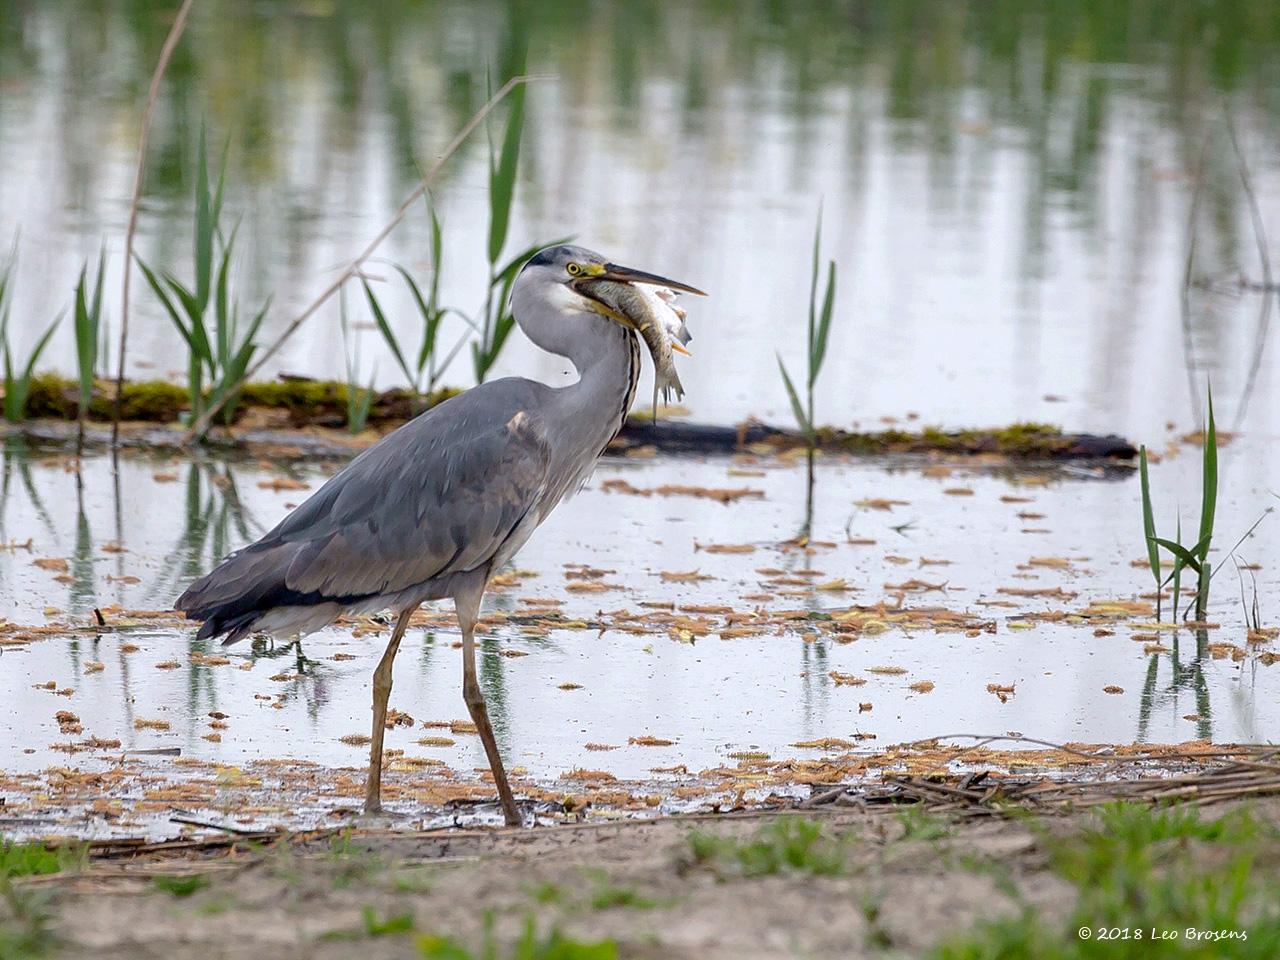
[
  {"x": 643, "y": 302},
  {"x": 638, "y": 299}
]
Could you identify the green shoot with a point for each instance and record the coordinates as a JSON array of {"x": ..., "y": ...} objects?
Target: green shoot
[
  {"x": 359, "y": 399},
  {"x": 1208, "y": 508},
  {"x": 1177, "y": 571},
  {"x": 429, "y": 308},
  {"x": 496, "y": 321},
  {"x": 819, "y": 330},
  {"x": 1195, "y": 558},
  {"x": 88, "y": 328},
  {"x": 1149, "y": 530},
  {"x": 384, "y": 328},
  {"x": 17, "y": 375},
  {"x": 223, "y": 351}
]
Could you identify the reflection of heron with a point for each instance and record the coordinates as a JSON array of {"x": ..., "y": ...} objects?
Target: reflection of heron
[{"x": 433, "y": 509}]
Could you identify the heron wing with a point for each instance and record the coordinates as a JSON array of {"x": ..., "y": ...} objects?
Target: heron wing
[{"x": 441, "y": 495}]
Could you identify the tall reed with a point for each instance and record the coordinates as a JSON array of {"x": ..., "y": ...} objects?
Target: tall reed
[
  {"x": 205, "y": 313},
  {"x": 819, "y": 330},
  {"x": 496, "y": 320},
  {"x": 425, "y": 371}
]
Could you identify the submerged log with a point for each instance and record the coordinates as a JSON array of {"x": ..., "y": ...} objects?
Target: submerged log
[
  {"x": 311, "y": 416},
  {"x": 1025, "y": 440},
  {"x": 1019, "y": 442}
]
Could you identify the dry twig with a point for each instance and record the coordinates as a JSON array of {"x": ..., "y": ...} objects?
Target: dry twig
[{"x": 166, "y": 54}]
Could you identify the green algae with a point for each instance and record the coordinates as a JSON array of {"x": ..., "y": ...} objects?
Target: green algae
[
  {"x": 1015, "y": 440},
  {"x": 308, "y": 402}
]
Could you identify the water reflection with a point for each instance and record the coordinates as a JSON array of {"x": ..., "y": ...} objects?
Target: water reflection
[
  {"x": 215, "y": 521},
  {"x": 1183, "y": 678},
  {"x": 15, "y": 459},
  {"x": 1007, "y": 183},
  {"x": 557, "y": 688}
]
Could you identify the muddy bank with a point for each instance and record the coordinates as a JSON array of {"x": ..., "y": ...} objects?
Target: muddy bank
[{"x": 906, "y": 881}]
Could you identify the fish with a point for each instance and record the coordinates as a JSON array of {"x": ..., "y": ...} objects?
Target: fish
[{"x": 653, "y": 313}]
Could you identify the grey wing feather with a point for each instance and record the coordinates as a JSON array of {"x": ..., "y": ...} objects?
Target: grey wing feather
[{"x": 441, "y": 495}]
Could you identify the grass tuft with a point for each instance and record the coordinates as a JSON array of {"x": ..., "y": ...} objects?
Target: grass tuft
[
  {"x": 37, "y": 859},
  {"x": 1181, "y": 886},
  {"x": 219, "y": 346},
  {"x": 531, "y": 946},
  {"x": 789, "y": 845},
  {"x": 17, "y": 374},
  {"x": 1194, "y": 558},
  {"x": 183, "y": 886}
]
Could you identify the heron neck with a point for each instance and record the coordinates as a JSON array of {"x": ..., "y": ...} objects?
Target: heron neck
[{"x": 591, "y": 410}]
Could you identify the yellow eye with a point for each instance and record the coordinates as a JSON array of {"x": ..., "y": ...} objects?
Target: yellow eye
[{"x": 574, "y": 269}]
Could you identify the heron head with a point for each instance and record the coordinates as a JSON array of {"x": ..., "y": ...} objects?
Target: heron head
[{"x": 565, "y": 272}]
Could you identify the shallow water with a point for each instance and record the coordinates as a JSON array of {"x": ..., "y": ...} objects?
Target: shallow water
[
  {"x": 714, "y": 696},
  {"x": 1007, "y": 191}
]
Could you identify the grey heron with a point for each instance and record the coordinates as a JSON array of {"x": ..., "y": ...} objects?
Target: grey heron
[{"x": 435, "y": 508}]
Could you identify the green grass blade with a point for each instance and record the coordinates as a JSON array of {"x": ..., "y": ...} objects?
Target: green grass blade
[
  {"x": 819, "y": 348},
  {"x": 216, "y": 209},
  {"x": 1177, "y": 572},
  {"x": 39, "y": 349},
  {"x": 1148, "y": 516},
  {"x": 1209, "y": 482},
  {"x": 97, "y": 285},
  {"x": 1188, "y": 557},
  {"x": 195, "y": 314},
  {"x": 167, "y": 303},
  {"x": 87, "y": 319},
  {"x": 501, "y": 330},
  {"x": 205, "y": 225},
  {"x": 86, "y": 337},
  {"x": 430, "y": 319},
  {"x": 437, "y": 256},
  {"x": 12, "y": 408},
  {"x": 380, "y": 320},
  {"x": 16, "y": 388},
  {"x": 502, "y": 178},
  {"x": 813, "y": 283},
  {"x": 797, "y": 408},
  {"x": 222, "y": 314}
]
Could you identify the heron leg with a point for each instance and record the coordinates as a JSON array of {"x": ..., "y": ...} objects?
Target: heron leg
[
  {"x": 381, "y": 694},
  {"x": 468, "y": 611}
]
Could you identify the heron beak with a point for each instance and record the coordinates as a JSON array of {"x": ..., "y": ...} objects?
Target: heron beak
[{"x": 613, "y": 271}]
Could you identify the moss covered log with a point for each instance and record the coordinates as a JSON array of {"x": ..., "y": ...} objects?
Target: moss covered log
[
  {"x": 295, "y": 402},
  {"x": 308, "y": 402}
]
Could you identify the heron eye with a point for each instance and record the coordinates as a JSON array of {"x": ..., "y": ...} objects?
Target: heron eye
[{"x": 574, "y": 269}]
